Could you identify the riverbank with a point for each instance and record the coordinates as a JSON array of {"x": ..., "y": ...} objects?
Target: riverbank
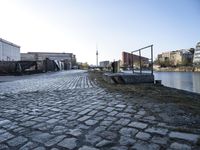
[
  {"x": 178, "y": 69},
  {"x": 170, "y": 105}
]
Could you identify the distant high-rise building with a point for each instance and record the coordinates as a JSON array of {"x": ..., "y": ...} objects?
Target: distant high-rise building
[
  {"x": 9, "y": 51},
  {"x": 196, "y": 59}
]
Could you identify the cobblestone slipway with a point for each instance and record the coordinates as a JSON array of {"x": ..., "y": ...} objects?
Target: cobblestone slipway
[{"x": 66, "y": 110}]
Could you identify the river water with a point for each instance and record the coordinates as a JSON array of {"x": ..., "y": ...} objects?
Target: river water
[{"x": 189, "y": 81}]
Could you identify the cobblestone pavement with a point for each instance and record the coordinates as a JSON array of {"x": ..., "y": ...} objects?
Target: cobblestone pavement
[{"x": 66, "y": 110}]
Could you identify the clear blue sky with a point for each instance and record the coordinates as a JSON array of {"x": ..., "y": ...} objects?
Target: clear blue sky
[{"x": 77, "y": 26}]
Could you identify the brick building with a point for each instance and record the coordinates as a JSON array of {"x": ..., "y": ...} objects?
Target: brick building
[{"x": 129, "y": 59}]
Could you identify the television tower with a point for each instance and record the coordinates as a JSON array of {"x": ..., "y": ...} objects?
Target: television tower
[{"x": 97, "y": 56}]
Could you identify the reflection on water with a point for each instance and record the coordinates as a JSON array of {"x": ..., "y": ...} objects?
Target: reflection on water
[{"x": 189, "y": 81}]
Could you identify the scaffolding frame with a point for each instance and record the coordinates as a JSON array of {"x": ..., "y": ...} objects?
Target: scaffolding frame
[{"x": 140, "y": 60}]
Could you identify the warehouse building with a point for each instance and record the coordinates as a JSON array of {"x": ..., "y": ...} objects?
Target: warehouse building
[
  {"x": 69, "y": 59},
  {"x": 9, "y": 51}
]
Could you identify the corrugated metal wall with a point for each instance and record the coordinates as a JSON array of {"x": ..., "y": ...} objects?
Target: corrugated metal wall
[{"x": 9, "y": 52}]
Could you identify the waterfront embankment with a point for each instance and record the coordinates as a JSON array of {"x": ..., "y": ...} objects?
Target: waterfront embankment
[
  {"x": 178, "y": 69},
  {"x": 173, "y": 101}
]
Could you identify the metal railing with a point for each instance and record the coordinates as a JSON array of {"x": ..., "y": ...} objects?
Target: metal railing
[{"x": 140, "y": 58}]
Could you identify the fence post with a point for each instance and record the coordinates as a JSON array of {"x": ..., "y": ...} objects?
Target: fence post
[
  {"x": 132, "y": 63},
  {"x": 152, "y": 59}
]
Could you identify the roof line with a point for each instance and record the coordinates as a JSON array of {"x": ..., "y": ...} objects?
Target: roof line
[{"x": 10, "y": 43}]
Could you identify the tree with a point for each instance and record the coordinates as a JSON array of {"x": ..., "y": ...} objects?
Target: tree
[{"x": 192, "y": 50}]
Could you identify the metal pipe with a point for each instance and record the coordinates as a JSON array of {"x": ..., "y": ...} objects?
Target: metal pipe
[
  {"x": 152, "y": 59},
  {"x": 140, "y": 61},
  {"x": 141, "y": 48},
  {"x": 132, "y": 63}
]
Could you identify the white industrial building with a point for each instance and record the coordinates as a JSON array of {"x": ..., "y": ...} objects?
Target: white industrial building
[
  {"x": 9, "y": 51},
  {"x": 196, "y": 59}
]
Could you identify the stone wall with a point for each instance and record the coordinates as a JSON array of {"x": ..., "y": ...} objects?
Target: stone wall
[
  {"x": 123, "y": 78},
  {"x": 138, "y": 78},
  {"x": 179, "y": 69}
]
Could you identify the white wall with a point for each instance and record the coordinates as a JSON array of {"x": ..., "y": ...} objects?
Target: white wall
[
  {"x": 9, "y": 52},
  {"x": 0, "y": 50}
]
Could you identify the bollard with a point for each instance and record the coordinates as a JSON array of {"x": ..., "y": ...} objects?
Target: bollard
[{"x": 158, "y": 82}]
